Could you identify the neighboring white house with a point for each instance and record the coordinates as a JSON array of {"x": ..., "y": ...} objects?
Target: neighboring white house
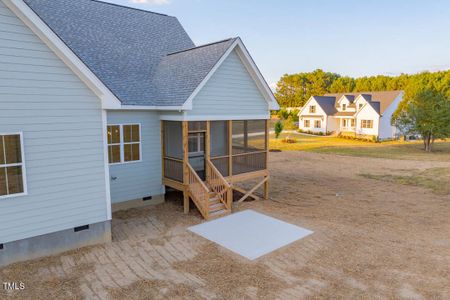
[{"x": 361, "y": 114}]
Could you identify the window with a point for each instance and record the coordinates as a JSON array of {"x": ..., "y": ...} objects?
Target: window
[
  {"x": 196, "y": 143},
  {"x": 344, "y": 106},
  {"x": 360, "y": 105},
  {"x": 312, "y": 109},
  {"x": 306, "y": 123},
  {"x": 366, "y": 123},
  {"x": 124, "y": 143},
  {"x": 12, "y": 169},
  {"x": 353, "y": 123},
  {"x": 317, "y": 124},
  {"x": 344, "y": 122}
]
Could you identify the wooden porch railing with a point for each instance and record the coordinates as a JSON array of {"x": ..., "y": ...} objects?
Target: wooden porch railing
[
  {"x": 219, "y": 184},
  {"x": 198, "y": 191}
]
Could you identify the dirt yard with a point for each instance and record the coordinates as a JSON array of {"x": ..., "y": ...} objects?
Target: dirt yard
[{"x": 372, "y": 239}]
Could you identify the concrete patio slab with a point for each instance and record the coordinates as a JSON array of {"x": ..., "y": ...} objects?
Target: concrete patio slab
[{"x": 249, "y": 233}]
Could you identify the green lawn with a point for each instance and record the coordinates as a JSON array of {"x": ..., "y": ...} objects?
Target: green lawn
[
  {"x": 435, "y": 179},
  {"x": 336, "y": 145}
]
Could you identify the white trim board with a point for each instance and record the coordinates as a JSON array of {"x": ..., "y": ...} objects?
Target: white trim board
[
  {"x": 183, "y": 117},
  {"x": 249, "y": 233}
]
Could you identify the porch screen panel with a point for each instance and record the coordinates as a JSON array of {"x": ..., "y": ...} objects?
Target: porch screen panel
[
  {"x": 173, "y": 150},
  {"x": 219, "y": 146},
  {"x": 250, "y": 162},
  {"x": 173, "y": 139},
  {"x": 249, "y": 146},
  {"x": 249, "y": 136}
]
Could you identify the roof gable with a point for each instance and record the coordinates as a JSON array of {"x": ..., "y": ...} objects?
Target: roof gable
[
  {"x": 385, "y": 98},
  {"x": 121, "y": 46}
]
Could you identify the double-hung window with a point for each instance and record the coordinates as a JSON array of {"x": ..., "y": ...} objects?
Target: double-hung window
[
  {"x": 317, "y": 124},
  {"x": 366, "y": 123},
  {"x": 12, "y": 168},
  {"x": 124, "y": 143}
]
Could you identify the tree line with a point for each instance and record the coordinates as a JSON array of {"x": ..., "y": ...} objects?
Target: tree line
[{"x": 293, "y": 90}]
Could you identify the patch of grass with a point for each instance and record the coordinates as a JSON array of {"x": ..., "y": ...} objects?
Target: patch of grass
[
  {"x": 390, "y": 149},
  {"x": 435, "y": 179}
]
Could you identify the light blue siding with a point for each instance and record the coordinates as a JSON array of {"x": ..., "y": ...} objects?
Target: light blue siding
[
  {"x": 137, "y": 180},
  {"x": 231, "y": 93},
  {"x": 61, "y": 121}
]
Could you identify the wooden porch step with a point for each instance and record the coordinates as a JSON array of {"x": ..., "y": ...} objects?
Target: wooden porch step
[
  {"x": 214, "y": 200},
  {"x": 216, "y": 206},
  {"x": 218, "y": 213}
]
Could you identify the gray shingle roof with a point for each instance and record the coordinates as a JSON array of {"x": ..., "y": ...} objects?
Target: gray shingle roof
[
  {"x": 127, "y": 49},
  {"x": 327, "y": 104},
  {"x": 384, "y": 97},
  {"x": 178, "y": 74},
  {"x": 375, "y": 105}
]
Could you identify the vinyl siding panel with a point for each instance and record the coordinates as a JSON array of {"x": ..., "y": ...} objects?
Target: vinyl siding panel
[
  {"x": 137, "y": 180},
  {"x": 231, "y": 92},
  {"x": 61, "y": 121}
]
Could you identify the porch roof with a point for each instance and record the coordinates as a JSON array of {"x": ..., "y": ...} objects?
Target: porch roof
[{"x": 344, "y": 114}]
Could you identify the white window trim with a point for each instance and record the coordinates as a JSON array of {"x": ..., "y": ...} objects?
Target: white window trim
[
  {"x": 122, "y": 143},
  {"x": 317, "y": 122},
  {"x": 24, "y": 171},
  {"x": 198, "y": 134},
  {"x": 311, "y": 108}
]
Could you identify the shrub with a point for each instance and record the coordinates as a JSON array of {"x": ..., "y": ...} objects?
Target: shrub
[
  {"x": 289, "y": 140},
  {"x": 278, "y": 128},
  {"x": 289, "y": 123},
  {"x": 320, "y": 133}
]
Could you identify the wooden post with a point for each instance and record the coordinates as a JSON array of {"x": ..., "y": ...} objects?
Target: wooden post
[
  {"x": 185, "y": 133},
  {"x": 266, "y": 183},
  {"x": 207, "y": 149}
]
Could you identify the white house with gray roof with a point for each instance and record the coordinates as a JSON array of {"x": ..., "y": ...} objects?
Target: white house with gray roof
[
  {"x": 102, "y": 107},
  {"x": 365, "y": 114}
]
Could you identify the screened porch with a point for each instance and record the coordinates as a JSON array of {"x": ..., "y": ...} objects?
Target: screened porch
[{"x": 202, "y": 157}]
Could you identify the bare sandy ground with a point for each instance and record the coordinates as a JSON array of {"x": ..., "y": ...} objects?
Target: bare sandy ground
[{"x": 372, "y": 240}]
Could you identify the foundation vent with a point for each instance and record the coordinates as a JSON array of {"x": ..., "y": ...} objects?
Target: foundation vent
[{"x": 81, "y": 228}]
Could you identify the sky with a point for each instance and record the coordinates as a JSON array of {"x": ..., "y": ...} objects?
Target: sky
[{"x": 354, "y": 38}]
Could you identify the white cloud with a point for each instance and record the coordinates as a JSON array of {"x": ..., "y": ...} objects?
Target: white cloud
[{"x": 154, "y": 2}]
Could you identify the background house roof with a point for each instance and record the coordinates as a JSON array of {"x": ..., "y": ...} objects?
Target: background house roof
[
  {"x": 327, "y": 104},
  {"x": 385, "y": 98},
  {"x": 133, "y": 52},
  {"x": 375, "y": 105}
]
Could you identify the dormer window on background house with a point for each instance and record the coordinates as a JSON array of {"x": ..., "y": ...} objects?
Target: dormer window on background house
[
  {"x": 344, "y": 106},
  {"x": 312, "y": 109}
]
